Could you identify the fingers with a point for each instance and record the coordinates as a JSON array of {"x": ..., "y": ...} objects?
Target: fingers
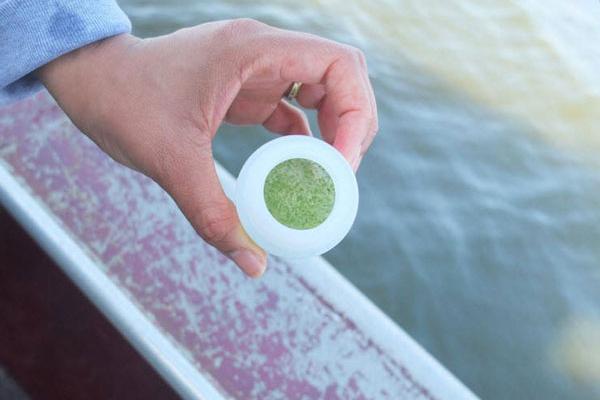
[
  {"x": 328, "y": 120},
  {"x": 310, "y": 96},
  {"x": 340, "y": 129},
  {"x": 374, "y": 127},
  {"x": 313, "y": 96},
  {"x": 337, "y": 84},
  {"x": 346, "y": 140},
  {"x": 191, "y": 179},
  {"x": 287, "y": 119}
]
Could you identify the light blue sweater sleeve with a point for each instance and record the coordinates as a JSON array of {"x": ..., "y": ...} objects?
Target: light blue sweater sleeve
[{"x": 34, "y": 32}]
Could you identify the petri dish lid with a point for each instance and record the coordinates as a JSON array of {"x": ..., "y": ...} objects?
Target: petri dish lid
[{"x": 272, "y": 235}]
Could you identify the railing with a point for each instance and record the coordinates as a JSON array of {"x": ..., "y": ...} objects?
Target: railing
[{"x": 302, "y": 331}]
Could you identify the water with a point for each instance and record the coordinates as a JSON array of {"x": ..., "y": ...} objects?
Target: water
[{"x": 479, "y": 224}]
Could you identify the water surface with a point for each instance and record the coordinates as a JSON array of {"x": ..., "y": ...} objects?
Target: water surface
[{"x": 479, "y": 225}]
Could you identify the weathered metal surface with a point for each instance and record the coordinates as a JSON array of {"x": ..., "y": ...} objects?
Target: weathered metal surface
[{"x": 301, "y": 332}]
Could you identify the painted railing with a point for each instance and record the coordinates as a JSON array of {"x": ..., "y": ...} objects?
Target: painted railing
[{"x": 301, "y": 332}]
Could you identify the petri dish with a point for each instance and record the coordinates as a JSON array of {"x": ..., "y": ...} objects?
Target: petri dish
[{"x": 296, "y": 196}]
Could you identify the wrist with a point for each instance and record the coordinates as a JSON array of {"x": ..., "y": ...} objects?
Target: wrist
[{"x": 78, "y": 79}]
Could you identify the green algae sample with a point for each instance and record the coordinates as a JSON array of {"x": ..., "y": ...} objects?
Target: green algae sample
[{"x": 299, "y": 193}]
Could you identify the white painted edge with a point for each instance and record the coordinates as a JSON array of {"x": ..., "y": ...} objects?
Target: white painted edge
[
  {"x": 166, "y": 359},
  {"x": 376, "y": 325},
  {"x": 169, "y": 362}
]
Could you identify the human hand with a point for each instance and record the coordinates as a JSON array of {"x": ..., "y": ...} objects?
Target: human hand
[{"x": 156, "y": 104}]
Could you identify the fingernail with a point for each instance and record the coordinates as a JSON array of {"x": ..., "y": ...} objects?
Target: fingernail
[
  {"x": 355, "y": 159},
  {"x": 249, "y": 262},
  {"x": 357, "y": 162}
]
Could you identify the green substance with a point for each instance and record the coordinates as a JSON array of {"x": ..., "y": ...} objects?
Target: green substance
[{"x": 299, "y": 193}]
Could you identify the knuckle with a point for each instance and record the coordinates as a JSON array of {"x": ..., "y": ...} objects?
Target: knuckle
[
  {"x": 242, "y": 41},
  {"x": 214, "y": 222},
  {"x": 372, "y": 134},
  {"x": 244, "y": 26},
  {"x": 355, "y": 54},
  {"x": 375, "y": 130},
  {"x": 374, "y": 123},
  {"x": 360, "y": 56}
]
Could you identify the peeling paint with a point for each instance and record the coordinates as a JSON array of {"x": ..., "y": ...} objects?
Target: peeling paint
[{"x": 278, "y": 337}]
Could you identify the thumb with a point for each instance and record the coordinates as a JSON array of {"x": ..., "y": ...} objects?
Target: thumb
[{"x": 193, "y": 183}]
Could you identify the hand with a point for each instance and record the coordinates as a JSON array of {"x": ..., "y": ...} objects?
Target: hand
[{"x": 155, "y": 106}]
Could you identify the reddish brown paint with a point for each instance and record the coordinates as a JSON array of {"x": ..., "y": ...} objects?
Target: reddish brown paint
[{"x": 53, "y": 341}]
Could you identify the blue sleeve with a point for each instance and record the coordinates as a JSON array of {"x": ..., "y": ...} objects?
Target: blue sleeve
[{"x": 34, "y": 32}]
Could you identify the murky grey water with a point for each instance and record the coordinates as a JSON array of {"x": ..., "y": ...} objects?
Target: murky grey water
[{"x": 479, "y": 224}]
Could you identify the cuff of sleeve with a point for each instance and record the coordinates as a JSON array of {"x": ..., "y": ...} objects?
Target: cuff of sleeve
[{"x": 33, "y": 33}]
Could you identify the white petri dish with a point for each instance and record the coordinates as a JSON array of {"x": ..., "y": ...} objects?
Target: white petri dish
[{"x": 283, "y": 238}]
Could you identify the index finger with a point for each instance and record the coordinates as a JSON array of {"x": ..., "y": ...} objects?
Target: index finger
[{"x": 348, "y": 112}]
